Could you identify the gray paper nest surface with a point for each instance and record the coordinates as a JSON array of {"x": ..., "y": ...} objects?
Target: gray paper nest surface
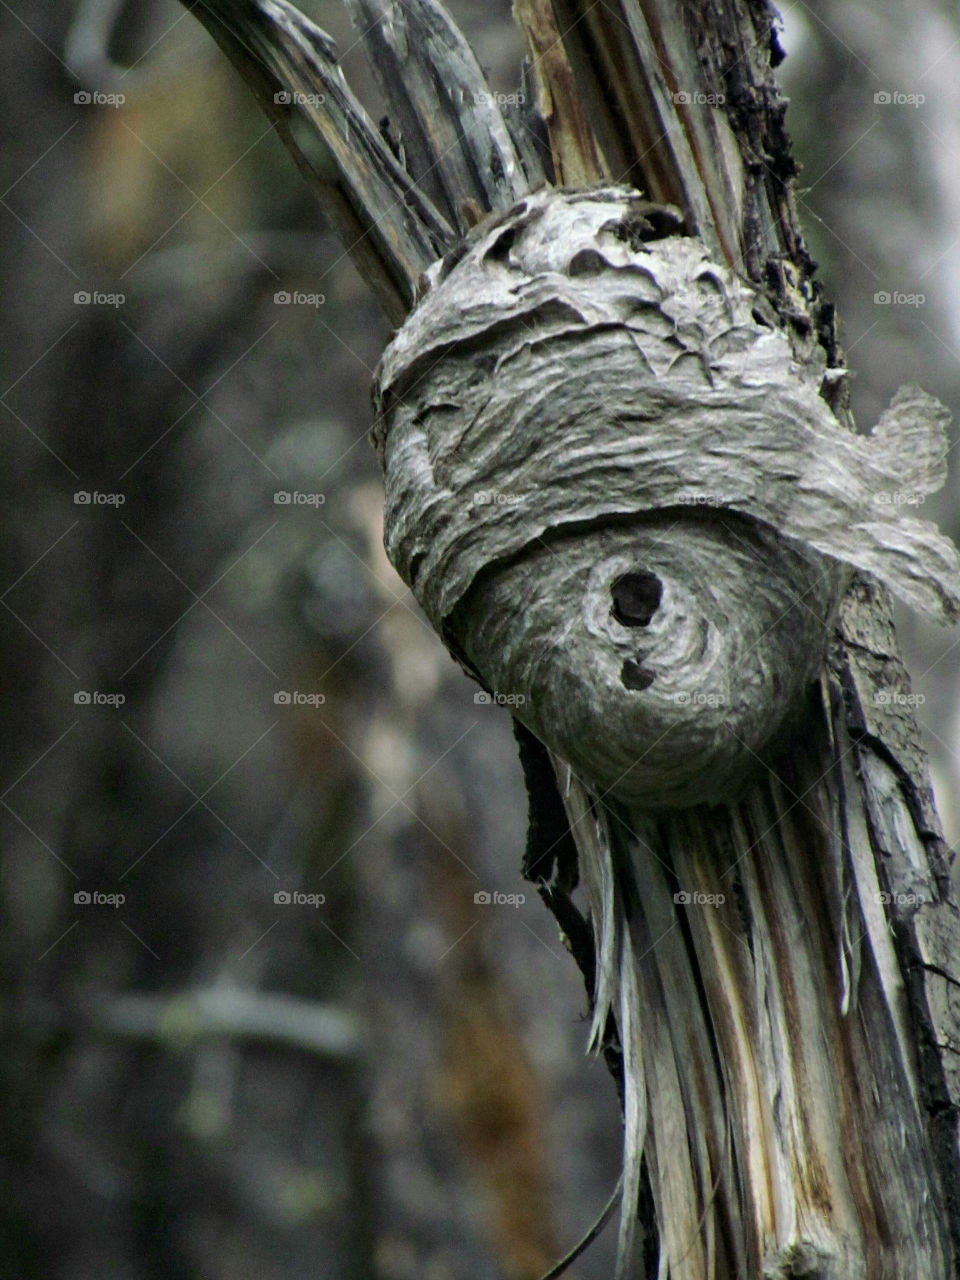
[{"x": 563, "y": 372}]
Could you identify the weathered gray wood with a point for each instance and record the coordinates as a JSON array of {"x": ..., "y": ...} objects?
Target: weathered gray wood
[
  {"x": 629, "y": 69},
  {"x": 385, "y": 222},
  {"x": 455, "y": 143},
  {"x": 575, "y": 153},
  {"x": 772, "y": 1021},
  {"x": 739, "y": 51},
  {"x": 921, "y": 910}
]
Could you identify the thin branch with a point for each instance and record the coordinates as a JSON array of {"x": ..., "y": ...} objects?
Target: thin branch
[{"x": 386, "y": 224}]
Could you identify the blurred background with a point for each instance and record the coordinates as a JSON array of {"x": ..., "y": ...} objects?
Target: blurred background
[{"x": 256, "y": 1021}]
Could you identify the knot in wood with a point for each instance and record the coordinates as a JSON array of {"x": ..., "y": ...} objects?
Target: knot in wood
[{"x": 620, "y": 497}]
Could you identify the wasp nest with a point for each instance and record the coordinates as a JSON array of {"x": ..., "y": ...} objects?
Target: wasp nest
[{"x": 621, "y": 499}]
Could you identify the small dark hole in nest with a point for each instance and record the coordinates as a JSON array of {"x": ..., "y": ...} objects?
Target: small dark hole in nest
[
  {"x": 587, "y": 262},
  {"x": 635, "y": 676},
  {"x": 500, "y": 249},
  {"x": 636, "y": 597},
  {"x": 645, "y": 220}
]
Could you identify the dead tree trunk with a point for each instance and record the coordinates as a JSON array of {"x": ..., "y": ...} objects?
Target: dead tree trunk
[{"x": 623, "y": 481}]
